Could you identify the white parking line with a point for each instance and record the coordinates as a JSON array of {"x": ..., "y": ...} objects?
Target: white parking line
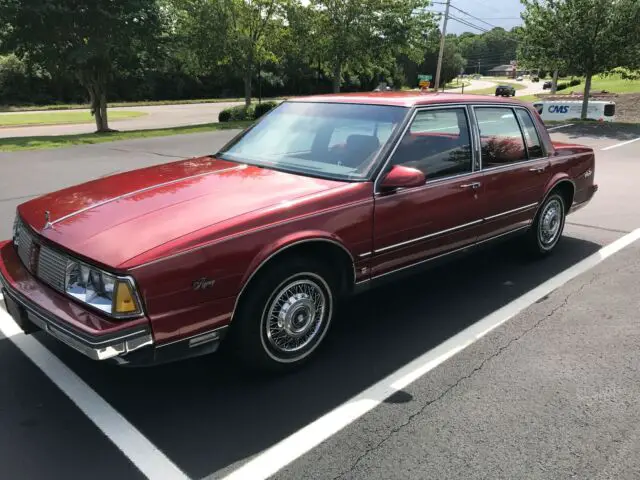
[
  {"x": 560, "y": 126},
  {"x": 135, "y": 446},
  {"x": 286, "y": 451},
  {"x": 621, "y": 144}
]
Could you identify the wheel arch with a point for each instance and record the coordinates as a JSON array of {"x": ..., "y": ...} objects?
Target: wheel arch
[
  {"x": 312, "y": 243},
  {"x": 567, "y": 188},
  {"x": 565, "y": 185}
]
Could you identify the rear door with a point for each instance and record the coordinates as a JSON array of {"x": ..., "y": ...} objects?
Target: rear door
[
  {"x": 414, "y": 224},
  {"x": 515, "y": 167}
]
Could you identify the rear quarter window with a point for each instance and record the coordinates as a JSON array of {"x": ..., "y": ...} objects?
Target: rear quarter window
[{"x": 531, "y": 136}]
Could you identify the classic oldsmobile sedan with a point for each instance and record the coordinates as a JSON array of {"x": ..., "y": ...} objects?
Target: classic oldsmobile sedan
[{"x": 253, "y": 247}]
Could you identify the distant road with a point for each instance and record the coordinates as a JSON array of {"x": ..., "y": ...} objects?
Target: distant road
[
  {"x": 158, "y": 116},
  {"x": 531, "y": 88},
  {"x": 167, "y": 116}
]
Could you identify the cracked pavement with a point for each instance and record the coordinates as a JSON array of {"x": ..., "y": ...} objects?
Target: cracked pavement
[
  {"x": 416, "y": 414},
  {"x": 550, "y": 394}
]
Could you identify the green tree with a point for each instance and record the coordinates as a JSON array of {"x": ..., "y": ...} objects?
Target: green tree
[
  {"x": 359, "y": 34},
  {"x": 487, "y": 50},
  {"x": 87, "y": 38},
  {"x": 238, "y": 35},
  {"x": 588, "y": 36},
  {"x": 452, "y": 60}
]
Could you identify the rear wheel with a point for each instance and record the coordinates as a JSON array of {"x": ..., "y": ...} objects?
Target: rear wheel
[
  {"x": 284, "y": 316},
  {"x": 546, "y": 230}
]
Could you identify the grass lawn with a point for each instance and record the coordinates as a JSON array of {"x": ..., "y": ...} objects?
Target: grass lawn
[
  {"x": 528, "y": 98},
  {"x": 76, "y": 106},
  {"x": 40, "y": 143},
  {"x": 482, "y": 91},
  {"x": 613, "y": 84},
  {"x": 57, "y": 118},
  {"x": 457, "y": 84}
]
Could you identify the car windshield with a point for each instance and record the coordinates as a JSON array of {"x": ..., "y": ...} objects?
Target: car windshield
[{"x": 333, "y": 140}]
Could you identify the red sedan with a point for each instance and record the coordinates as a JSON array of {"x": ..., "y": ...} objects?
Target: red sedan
[{"x": 253, "y": 246}]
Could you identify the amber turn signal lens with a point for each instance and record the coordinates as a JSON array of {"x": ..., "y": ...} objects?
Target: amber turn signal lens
[{"x": 124, "y": 301}]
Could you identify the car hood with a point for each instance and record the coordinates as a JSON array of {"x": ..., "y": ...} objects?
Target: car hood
[{"x": 113, "y": 219}]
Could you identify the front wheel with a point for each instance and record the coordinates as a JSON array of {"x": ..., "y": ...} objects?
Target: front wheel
[
  {"x": 284, "y": 316},
  {"x": 547, "y": 227}
]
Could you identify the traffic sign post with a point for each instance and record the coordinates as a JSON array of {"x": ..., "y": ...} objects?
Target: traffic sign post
[{"x": 424, "y": 81}]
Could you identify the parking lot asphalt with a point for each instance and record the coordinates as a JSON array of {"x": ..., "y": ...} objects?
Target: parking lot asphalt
[{"x": 549, "y": 394}]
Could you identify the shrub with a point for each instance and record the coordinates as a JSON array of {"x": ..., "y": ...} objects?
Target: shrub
[
  {"x": 626, "y": 73},
  {"x": 235, "y": 114},
  {"x": 574, "y": 82},
  {"x": 224, "y": 115},
  {"x": 561, "y": 86},
  {"x": 264, "y": 107}
]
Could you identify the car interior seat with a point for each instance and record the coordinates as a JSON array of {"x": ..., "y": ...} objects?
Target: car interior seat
[{"x": 359, "y": 149}]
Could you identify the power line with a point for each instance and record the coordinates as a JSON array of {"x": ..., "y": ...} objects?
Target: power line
[
  {"x": 468, "y": 24},
  {"x": 473, "y": 16}
]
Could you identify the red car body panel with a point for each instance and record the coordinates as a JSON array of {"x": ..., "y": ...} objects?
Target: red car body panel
[
  {"x": 151, "y": 209},
  {"x": 172, "y": 224}
]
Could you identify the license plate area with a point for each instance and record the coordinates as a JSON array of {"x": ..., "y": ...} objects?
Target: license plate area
[{"x": 19, "y": 314}]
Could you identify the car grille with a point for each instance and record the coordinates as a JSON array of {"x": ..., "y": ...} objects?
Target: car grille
[
  {"x": 42, "y": 261},
  {"x": 52, "y": 268},
  {"x": 25, "y": 243}
]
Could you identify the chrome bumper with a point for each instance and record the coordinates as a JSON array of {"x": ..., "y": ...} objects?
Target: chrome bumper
[{"x": 105, "y": 347}]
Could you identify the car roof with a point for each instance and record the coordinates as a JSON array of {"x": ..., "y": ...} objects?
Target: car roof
[{"x": 407, "y": 98}]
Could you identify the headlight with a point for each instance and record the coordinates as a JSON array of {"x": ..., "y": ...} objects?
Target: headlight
[{"x": 108, "y": 293}]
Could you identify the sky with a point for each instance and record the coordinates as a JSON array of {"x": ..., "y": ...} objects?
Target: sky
[{"x": 498, "y": 13}]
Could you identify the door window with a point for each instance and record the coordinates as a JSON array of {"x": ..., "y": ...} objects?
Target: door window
[
  {"x": 500, "y": 137},
  {"x": 437, "y": 143}
]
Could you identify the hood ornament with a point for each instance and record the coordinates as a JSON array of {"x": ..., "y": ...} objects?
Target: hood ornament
[{"x": 47, "y": 220}]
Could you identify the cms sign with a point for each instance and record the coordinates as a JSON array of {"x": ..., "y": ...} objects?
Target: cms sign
[{"x": 558, "y": 108}]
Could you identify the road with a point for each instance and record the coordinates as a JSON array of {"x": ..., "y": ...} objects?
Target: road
[
  {"x": 548, "y": 394},
  {"x": 157, "y": 116},
  {"x": 530, "y": 88},
  {"x": 167, "y": 116}
]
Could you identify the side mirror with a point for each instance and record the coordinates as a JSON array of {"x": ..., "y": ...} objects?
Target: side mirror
[{"x": 403, "y": 177}]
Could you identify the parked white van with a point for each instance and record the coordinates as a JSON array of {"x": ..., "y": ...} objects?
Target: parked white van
[{"x": 601, "y": 110}]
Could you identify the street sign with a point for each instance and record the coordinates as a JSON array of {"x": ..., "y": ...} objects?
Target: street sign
[
  {"x": 424, "y": 78},
  {"x": 424, "y": 84}
]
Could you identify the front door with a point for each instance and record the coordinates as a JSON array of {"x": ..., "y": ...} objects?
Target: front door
[
  {"x": 515, "y": 167},
  {"x": 415, "y": 224}
]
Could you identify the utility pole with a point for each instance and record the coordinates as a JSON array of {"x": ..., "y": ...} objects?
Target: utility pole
[
  {"x": 554, "y": 82},
  {"x": 440, "y": 53}
]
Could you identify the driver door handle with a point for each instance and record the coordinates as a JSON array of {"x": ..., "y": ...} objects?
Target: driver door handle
[
  {"x": 537, "y": 169},
  {"x": 473, "y": 185}
]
